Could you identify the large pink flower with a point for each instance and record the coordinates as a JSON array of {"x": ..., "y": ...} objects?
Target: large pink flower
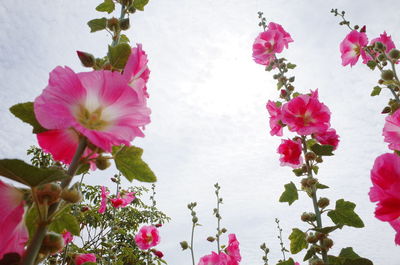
[
  {"x": 217, "y": 259},
  {"x": 385, "y": 176},
  {"x": 270, "y": 42},
  {"x": 147, "y": 237},
  {"x": 391, "y": 130},
  {"x": 104, "y": 199},
  {"x": 233, "y": 248},
  {"x": 290, "y": 153},
  {"x": 328, "y": 137},
  {"x": 13, "y": 232},
  {"x": 83, "y": 258},
  {"x": 275, "y": 118},
  {"x": 352, "y": 47},
  {"x": 385, "y": 40},
  {"x": 305, "y": 115},
  {"x": 122, "y": 201},
  {"x": 99, "y": 105}
]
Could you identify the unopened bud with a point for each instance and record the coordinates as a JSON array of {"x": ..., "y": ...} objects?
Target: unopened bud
[
  {"x": 382, "y": 57},
  {"x": 363, "y": 29},
  {"x": 157, "y": 253},
  {"x": 86, "y": 59},
  {"x": 211, "y": 239},
  {"x": 184, "y": 245},
  {"x": 323, "y": 202},
  {"x": 290, "y": 87},
  {"x": 102, "y": 163},
  {"x": 124, "y": 24},
  {"x": 283, "y": 93},
  {"x": 311, "y": 156},
  {"x": 113, "y": 24},
  {"x": 195, "y": 219},
  {"x": 49, "y": 193},
  {"x": 379, "y": 46},
  {"x": 263, "y": 246},
  {"x": 52, "y": 243},
  {"x": 387, "y": 109},
  {"x": 394, "y": 54},
  {"x": 305, "y": 217},
  {"x": 84, "y": 209},
  {"x": 71, "y": 195},
  {"x": 327, "y": 243},
  {"x": 320, "y": 236},
  {"x": 224, "y": 230},
  {"x": 158, "y": 225},
  {"x": 312, "y": 239},
  {"x": 387, "y": 75},
  {"x": 319, "y": 159}
]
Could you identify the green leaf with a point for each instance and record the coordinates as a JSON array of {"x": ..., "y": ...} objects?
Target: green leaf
[
  {"x": 279, "y": 85},
  {"x": 376, "y": 91},
  {"x": 291, "y": 66},
  {"x": 290, "y": 194},
  {"x": 29, "y": 175},
  {"x": 107, "y": 6},
  {"x": 310, "y": 253},
  {"x": 321, "y": 186},
  {"x": 65, "y": 221},
  {"x": 328, "y": 229},
  {"x": 140, "y": 4},
  {"x": 25, "y": 112},
  {"x": 348, "y": 257},
  {"x": 298, "y": 241},
  {"x": 344, "y": 214},
  {"x": 118, "y": 55},
  {"x": 129, "y": 161},
  {"x": 358, "y": 261},
  {"x": 287, "y": 262},
  {"x": 322, "y": 150},
  {"x": 97, "y": 24},
  {"x": 123, "y": 39},
  {"x": 348, "y": 253}
]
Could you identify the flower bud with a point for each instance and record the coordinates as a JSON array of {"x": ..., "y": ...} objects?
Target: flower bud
[
  {"x": 323, "y": 202},
  {"x": 312, "y": 181},
  {"x": 224, "y": 230},
  {"x": 311, "y": 156},
  {"x": 363, "y": 29},
  {"x": 84, "y": 209},
  {"x": 71, "y": 195},
  {"x": 124, "y": 24},
  {"x": 382, "y": 57},
  {"x": 319, "y": 159},
  {"x": 52, "y": 243},
  {"x": 327, "y": 243},
  {"x": 102, "y": 163},
  {"x": 312, "y": 239},
  {"x": 387, "y": 109},
  {"x": 49, "y": 192},
  {"x": 320, "y": 236},
  {"x": 158, "y": 225},
  {"x": 86, "y": 59},
  {"x": 157, "y": 253},
  {"x": 290, "y": 88},
  {"x": 195, "y": 219},
  {"x": 305, "y": 217},
  {"x": 283, "y": 93},
  {"x": 113, "y": 24},
  {"x": 387, "y": 75},
  {"x": 263, "y": 246},
  {"x": 184, "y": 245},
  {"x": 211, "y": 239},
  {"x": 394, "y": 54},
  {"x": 379, "y": 46}
]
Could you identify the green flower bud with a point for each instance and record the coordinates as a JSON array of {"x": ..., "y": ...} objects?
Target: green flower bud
[
  {"x": 49, "y": 193},
  {"x": 319, "y": 159},
  {"x": 124, "y": 24},
  {"x": 86, "y": 59},
  {"x": 195, "y": 219},
  {"x": 71, "y": 195},
  {"x": 102, "y": 163},
  {"x": 387, "y": 75},
  {"x": 113, "y": 24},
  {"x": 224, "y": 230},
  {"x": 311, "y": 156},
  {"x": 394, "y": 54},
  {"x": 327, "y": 243},
  {"x": 379, "y": 46},
  {"x": 211, "y": 239},
  {"x": 184, "y": 245},
  {"x": 52, "y": 243},
  {"x": 312, "y": 239},
  {"x": 323, "y": 202}
]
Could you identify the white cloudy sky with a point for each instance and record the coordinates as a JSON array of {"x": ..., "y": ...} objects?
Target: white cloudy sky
[{"x": 208, "y": 98}]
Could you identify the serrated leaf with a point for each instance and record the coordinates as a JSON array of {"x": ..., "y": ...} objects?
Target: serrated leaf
[
  {"x": 376, "y": 91},
  {"x": 129, "y": 161},
  {"x": 287, "y": 262},
  {"x": 25, "y": 112},
  {"x": 97, "y": 24},
  {"x": 310, "y": 253},
  {"x": 140, "y": 4},
  {"x": 123, "y": 39},
  {"x": 322, "y": 150},
  {"x": 290, "y": 194},
  {"x": 29, "y": 175},
  {"x": 65, "y": 221},
  {"x": 298, "y": 241},
  {"x": 344, "y": 214},
  {"x": 118, "y": 55},
  {"x": 107, "y": 6}
]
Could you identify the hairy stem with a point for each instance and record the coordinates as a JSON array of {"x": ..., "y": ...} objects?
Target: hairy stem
[{"x": 191, "y": 243}]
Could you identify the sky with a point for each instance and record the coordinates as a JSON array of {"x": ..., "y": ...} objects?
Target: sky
[{"x": 209, "y": 122}]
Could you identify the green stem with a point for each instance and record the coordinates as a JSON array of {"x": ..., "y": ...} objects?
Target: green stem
[
  {"x": 191, "y": 243},
  {"x": 116, "y": 37}
]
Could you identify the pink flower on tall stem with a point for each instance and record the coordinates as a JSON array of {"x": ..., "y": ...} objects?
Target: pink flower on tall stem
[
  {"x": 217, "y": 259},
  {"x": 352, "y": 47},
  {"x": 104, "y": 199},
  {"x": 385, "y": 40},
  {"x": 275, "y": 123},
  {"x": 99, "y": 105},
  {"x": 147, "y": 237},
  {"x": 83, "y": 258},
  {"x": 290, "y": 153},
  {"x": 391, "y": 130},
  {"x": 306, "y": 115},
  {"x": 328, "y": 137},
  {"x": 13, "y": 232},
  {"x": 123, "y": 201},
  {"x": 233, "y": 248}
]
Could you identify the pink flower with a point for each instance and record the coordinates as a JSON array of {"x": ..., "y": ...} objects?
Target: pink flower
[
  {"x": 328, "y": 137},
  {"x": 352, "y": 47},
  {"x": 123, "y": 201},
  {"x": 67, "y": 236},
  {"x": 270, "y": 42},
  {"x": 396, "y": 225},
  {"x": 290, "y": 153},
  {"x": 305, "y": 115},
  {"x": 296, "y": 263},
  {"x": 99, "y": 105},
  {"x": 217, "y": 259},
  {"x": 83, "y": 258},
  {"x": 136, "y": 71},
  {"x": 13, "y": 232},
  {"x": 233, "y": 248},
  {"x": 391, "y": 130},
  {"x": 147, "y": 237},
  {"x": 275, "y": 119},
  {"x": 103, "y": 203},
  {"x": 385, "y": 176},
  {"x": 385, "y": 40}
]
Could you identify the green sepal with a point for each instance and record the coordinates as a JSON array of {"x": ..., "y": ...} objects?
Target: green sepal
[
  {"x": 97, "y": 24},
  {"x": 298, "y": 241},
  {"x": 118, "y": 55},
  {"x": 290, "y": 194},
  {"x": 344, "y": 214},
  {"x": 321, "y": 186},
  {"x": 107, "y": 6},
  {"x": 25, "y": 112},
  {"x": 322, "y": 150}
]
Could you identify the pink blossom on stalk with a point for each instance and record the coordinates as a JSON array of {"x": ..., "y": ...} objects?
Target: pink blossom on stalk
[
  {"x": 217, "y": 259},
  {"x": 391, "y": 130},
  {"x": 123, "y": 201},
  {"x": 233, "y": 248},
  {"x": 275, "y": 123},
  {"x": 290, "y": 153},
  {"x": 352, "y": 47},
  {"x": 103, "y": 203},
  {"x": 67, "y": 236},
  {"x": 83, "y": 258},
  {"x": 306, "y": 115},
  {"x": 328, "y": 137},
  {"x": 99, "y": 105},
  {"x": 385, "y": 40},
  {"x": 13, "y": 232},
  {"x": 147, "y": 237}
]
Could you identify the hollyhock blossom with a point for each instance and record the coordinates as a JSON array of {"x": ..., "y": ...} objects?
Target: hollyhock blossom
[
  {"x": 270, "y": 42},
  {"x": 83, "y": 258},
  {"x": 67, "y": 236},
  {"x": 396, "y": 226},
  {"x": 147, "y": 237},
  {"x": 305, "y": 115},
  {"x": 391, "y": 130},
  {"x": 104, "y": 199},
  {"x": 275, "y": 118},
  {"x": 290, "y": 153},
  {"x": 217, "y": 259},
  {"x": 99, "y": 105},
  {"x": 385, "y": 40},
  {"x": 13, "y": 232},
  {"x": 328, "y": 137},
  {"x": 123, "y": 201},
  {"x": 385, "y": 177},
  {"x": 352, "y": 47},
  {"x": 233, "y": 248}
]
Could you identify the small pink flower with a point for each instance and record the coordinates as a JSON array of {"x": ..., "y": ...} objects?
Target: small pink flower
[
  {"x": 147, "y": 237},
  {"x": 83, "y": 258},
  {"x": 103, "y": 203},
  {"x": 290, "y": 153},
  {"x": 385, "y": 40},
  {"x": 67, "y": 236},
  {"x": 275, "y": 123},
  {"x": 13, "y": 232},
  {"x": 385, "y": 177},
  {"x": 306, "y": 115},
  {"x": 233, "y": 248},
  {"x": 123, "y": 201},
  {"x": 99, "y": 105},
  {"x": 217, "y": 259},
  {"x": 328, "y": 137},
  {"x": 352, "y": 47},
  {"x": 391, "y": 130}
]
